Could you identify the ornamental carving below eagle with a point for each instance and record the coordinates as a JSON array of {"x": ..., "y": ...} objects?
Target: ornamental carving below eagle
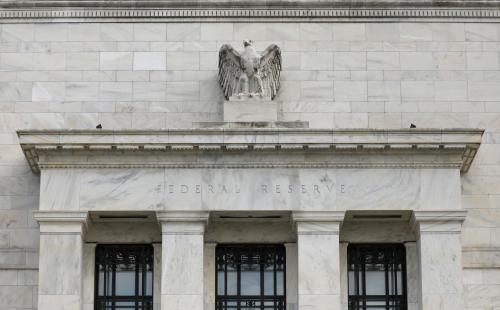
[{"x": 249, "y": 74}]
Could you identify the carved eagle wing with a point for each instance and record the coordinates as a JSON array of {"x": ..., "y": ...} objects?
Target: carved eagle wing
[
  {"x": 270, "y": 69},
  {"x": 230, "y": 69}
]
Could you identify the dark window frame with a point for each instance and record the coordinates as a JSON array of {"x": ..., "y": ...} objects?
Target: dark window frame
[
  {"x": 243, "y": 302},
  {"x": 111, "y": 255},
  {"x": 391, "y": 255}
]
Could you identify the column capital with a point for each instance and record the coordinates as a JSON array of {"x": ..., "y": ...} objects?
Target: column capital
[
  {"x": 183, "y": 222},
  {"x": 318, "y": 222},
  {"x": 63, "y": 222},
  {"x": 440, "y": 221}
]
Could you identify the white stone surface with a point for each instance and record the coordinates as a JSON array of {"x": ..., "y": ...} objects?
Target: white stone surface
[
  {"x": 59, "y": 269},
  {"x": 39, "y": 61},
  {"x": 440, "y": 253},
  {"x": 250, "y": 110},
  {"x": 183, "y": 260},
  {"x": 318, "y": 261}
]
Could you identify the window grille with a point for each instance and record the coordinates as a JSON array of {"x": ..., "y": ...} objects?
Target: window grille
[
  {"x": 250, "y": 277},
  {"x": 377, "y": 277},
  {"x": 124, "y": 277}
]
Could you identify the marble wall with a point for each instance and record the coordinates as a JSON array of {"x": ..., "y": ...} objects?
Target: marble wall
[{"x": 373, "y": 75}]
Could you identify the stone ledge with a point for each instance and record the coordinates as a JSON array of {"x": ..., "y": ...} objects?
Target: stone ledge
[
  {"x": 252, "y": 148},
  {"x": 248, "y": 4},
  {"x": 259, "y": 10}
]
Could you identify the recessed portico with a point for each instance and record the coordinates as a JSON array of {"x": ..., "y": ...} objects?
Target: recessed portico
[{"x": 307, "y": 190}]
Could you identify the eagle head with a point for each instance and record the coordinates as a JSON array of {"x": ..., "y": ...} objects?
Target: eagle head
[{"x": 247, "y": 43}]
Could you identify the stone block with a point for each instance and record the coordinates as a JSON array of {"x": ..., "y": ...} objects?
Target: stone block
[
  {"x": 481, "y": 32},
  {"x": 350, "y": 90},
  {"x": 349, "y": 61},
  {"x": 417, "y": 90},
  {"x": 316, "y": 90},
  {"x": 51, "y": 32},
  {"x": 250, "y": 110},
  {"x": 384, "y": 90},
  {"x": 217, "y": 31},
  {"x": 49, "y": 61},
  {"x": 316, "y": 61},
  {"x": 417, "y": 61},
  {"x": 449, "y": 60},
  {"x": 315, "y": 32},
  {"x": 149, "y": 90},
  {"x": 184, "y": 32},
  {"x": 85, "y": 91},
  {"x": 183, "y": 91},
  {"x": 448, "y": 32},
  {"x": 150, "y": 61},
  {"x": 16, "y": 62},
  {"x": 116, "y": 60},
  {"x": 18, "y": 32},
  {"x": 251, "y": 31},
  {"x": 349, "y": 32},
  {"x": 117, "y": 32},
  {"x": 150, "y": 32},
  {"x": 415, "y": 32},
  {"x": 382, "y": 32},
  {"x": 82, "y": 61},
  {"x": 451, "y": 90},
  {"x": 48, "y": 91},
  {"x": 482, "y": 61},
  {"x": 183, "y": 61},
  {"x": 84, "y": 32},
  {"x": 382, "y": 60}
]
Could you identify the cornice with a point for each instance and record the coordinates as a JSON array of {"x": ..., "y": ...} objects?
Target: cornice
[
  {"x": 251, "y": 148},
  {"x": 245, "y": 10}
]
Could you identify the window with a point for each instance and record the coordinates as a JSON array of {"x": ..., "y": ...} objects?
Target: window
[
  {"x": 377, "y": 276},
  {"x": 250, "y": 277},
  {"x": 124, "y": 277}
]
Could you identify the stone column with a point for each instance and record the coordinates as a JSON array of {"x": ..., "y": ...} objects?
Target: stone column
[
  {"x": 209, "y": 275},
  {"x": 157, "y": 276},
  {"x": 344, "y": 285},
  {"x": 61, "y": 259},
  {"x": 88, "y": 275},
  {"x": 412, "y": 275},
  {"x": 318, "y": 259},
  {"x": 440, "y": 253},
  {"x": 291, "y": 276},
  {"x": 182, "y": 259}
]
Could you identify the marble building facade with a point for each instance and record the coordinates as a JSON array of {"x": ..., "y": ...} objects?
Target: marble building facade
[{"x": 339, "y": 166}]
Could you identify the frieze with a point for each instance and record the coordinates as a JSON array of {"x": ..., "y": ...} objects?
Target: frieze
[{"x": 262, "y": 188}]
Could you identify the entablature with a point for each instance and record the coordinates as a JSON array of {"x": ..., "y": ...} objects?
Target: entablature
[{"x": 251, "y": 148}]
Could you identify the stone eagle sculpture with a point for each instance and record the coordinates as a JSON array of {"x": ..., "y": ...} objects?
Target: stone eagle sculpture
[{"x": 249, "y": 73}]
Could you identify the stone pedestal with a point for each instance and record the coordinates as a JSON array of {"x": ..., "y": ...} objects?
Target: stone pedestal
[
  {"x": 61, "y": 260},
  {"x": 318, "y": 259},
  {"x": 182, "y": 260},
  {"x": 440, "y": 259},
  {"x": 250, "y": 109}
]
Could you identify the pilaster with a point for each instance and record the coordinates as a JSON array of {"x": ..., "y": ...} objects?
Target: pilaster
[
  {"x": 61, "y": 259},
  {"x": 440, "y": 253},
  {"x": 291, "y": 276},
  {"x": 318, "y": 259},
  {"x": 209, "y": 272},
  {"x": 182, "y": 260}
]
